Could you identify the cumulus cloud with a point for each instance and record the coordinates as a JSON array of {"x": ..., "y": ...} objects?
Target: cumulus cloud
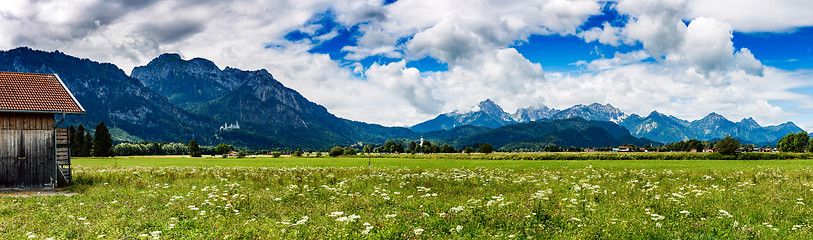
[
  {"x": 407, "y": 83},
  {"x": 656, "y": 24},
  {"x": 697, "y": 69},
  {"x": 503, "y": 75},
  {"x": 607, "y": 35},
  {"x": 705, "y": 44},
  {"x": 748, "y": 63},
  {"x": 644, "y": 87},
  {"x": 373, "y": 42},
  {"x": 755, "y": 15},
  {"x": 620, "y": 59},
  {"x": 450, "y": 41},
  {"x": 708, "y": 45},
  {"x": 455, "y": 29}
]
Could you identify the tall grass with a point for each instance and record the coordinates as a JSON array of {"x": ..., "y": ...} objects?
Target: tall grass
[
  {"x": 600, "y": 156},
  {"x": 401, "y": 203}
]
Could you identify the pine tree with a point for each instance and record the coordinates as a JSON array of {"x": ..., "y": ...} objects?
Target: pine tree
[
  {"x": 103, "y": 141},
  {"x": 87, "y": 148},
  {"x": 78, "y": 142},
  {"x": 71, "y": 134}
]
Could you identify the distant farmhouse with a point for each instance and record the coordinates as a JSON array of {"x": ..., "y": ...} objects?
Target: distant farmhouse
[{"x": 34, "y": 153}]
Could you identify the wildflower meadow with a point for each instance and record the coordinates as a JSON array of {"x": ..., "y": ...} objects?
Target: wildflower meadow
[{"x": 604, "y": 199}]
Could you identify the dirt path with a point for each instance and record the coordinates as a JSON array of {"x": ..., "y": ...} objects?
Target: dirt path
[{"x": 36, "y": 193}]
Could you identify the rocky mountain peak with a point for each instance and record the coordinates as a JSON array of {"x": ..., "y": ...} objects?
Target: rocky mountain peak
[
  {"x": 490, "y": 107},
  {"x": 749, "y": 123},
  {"x": 534, "y": 113},
  {"x": 168, "y": 56}
]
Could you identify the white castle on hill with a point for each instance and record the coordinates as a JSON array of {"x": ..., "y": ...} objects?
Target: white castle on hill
[{"x": 225, "y": 126}]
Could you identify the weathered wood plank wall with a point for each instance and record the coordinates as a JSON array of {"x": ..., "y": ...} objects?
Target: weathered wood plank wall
[{"x": 27, "y": 151}]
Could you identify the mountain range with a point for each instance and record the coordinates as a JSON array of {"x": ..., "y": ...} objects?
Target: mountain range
[
  {"x": 655, "y": 126},
  {"x": 535, "y": 135},
  {"x": 174, "y": 100},
  {"x": 269, "y": 113}
]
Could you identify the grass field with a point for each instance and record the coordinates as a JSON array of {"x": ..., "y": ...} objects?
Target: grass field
[
  {"x": 273, "y": 198},
  {"x": 181, "y": 161}
]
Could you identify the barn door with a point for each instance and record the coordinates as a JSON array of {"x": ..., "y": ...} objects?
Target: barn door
[{"x": 9, "y": 163}]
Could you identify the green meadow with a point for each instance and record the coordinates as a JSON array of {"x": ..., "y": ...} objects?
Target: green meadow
[
  {"x": 402, "y": 161},
  {"x": 402, "y": 198}
]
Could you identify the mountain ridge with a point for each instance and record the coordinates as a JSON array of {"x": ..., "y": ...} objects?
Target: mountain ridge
[
  {"x": 655, "y": 126},
  {"x": 136, "y": 110}
]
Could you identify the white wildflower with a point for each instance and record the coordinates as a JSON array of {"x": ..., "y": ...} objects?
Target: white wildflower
[
  {"x": 418, "y": 231},
  {"x": 367, "y": 228},
  {"x": 724, "y": 213}
]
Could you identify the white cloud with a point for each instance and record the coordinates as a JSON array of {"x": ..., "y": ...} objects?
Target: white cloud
[
  {"x": 619, "y": 59},
  {"x": 607, "y": 35},
  {"x": 705, "y": 44},
  {"x": 698, "y": 70},
  {"x": 755, "y": 15},
  {"x": 708, "y": 45},
  {"x": 373, "y": 42},
  {"x": 450, "y": 41},
  {"x": 656, "y": 24},
  {"x": 747, "y": 62},
  {"x": 643, "y": 87},
  {"x": 455, "y": 29},
  {"x": 408, "y": 84},
  {"x": 502, "y": 75}
]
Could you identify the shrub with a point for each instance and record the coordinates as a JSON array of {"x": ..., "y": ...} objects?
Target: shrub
[
  {"x": 319, "y": 154},
  {"x": 349, "y": 151},
  {"x": 469, "y": 150},
  {"x": 241, "y": 154},
  {"x": 336, "y": 151},
  {"x": 222, "y": 148},
  {"x": 275, "y": 154},
  {"x": 485, "y": 148}
]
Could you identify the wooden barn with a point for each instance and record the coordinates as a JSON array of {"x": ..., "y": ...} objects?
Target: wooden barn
[{"x": 34, "y": 153}]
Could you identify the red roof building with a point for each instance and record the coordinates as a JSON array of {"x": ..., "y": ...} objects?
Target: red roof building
[{"x": 36, "y": 93}]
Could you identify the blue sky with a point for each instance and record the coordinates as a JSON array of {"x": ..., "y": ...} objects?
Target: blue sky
[
  {"x": 785, "y": 50},
  {"x": 420, "y": 58}
]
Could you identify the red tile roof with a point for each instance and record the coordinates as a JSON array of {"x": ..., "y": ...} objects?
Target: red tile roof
[{"x": 32, "y": 92}]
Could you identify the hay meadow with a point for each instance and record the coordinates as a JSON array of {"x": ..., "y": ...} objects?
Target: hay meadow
[{"x": 404, "y": 198}]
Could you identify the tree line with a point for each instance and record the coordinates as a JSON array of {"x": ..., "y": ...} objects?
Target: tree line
[{"x": 391, "y": 146}]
